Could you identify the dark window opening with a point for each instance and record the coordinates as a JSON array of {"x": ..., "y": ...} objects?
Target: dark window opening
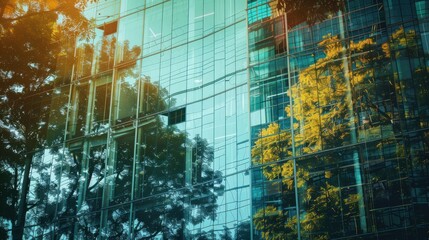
[
  {"x": 177, "y": 116},
  {"x": 109, "y": 28}
]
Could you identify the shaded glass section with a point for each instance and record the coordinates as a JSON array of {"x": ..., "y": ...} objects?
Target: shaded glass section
[
  {"x": 337, "y": 112},
  {"x": 129, "y": 39},
  {"x": 80, "y": 108},
  {"x": 127, "y": 90}
]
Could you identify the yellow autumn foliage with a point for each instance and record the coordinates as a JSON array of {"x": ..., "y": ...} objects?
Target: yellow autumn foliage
[
  {"x": 398, "y": 40},
  {"x": 274, "y": 224},
  {"x": 320, "y": 94},
  {"x": 271, "y": 145},
  {"x": 322, "y": 105}
]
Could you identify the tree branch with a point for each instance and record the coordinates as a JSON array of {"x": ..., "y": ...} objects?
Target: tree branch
[
  {"x": 30, "y": 14},
  {"x": 95, "y": 184},
  {"x": 151, "y": 236},
  {"x": 31, "y": 206}
]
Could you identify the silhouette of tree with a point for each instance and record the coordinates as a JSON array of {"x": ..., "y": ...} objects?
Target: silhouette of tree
[
  {"x": 164, "y": 201},
  {"x": 226, "y": 234},
  {"x": 30, "y": 36},
  {"x": 242, "y": 231}
]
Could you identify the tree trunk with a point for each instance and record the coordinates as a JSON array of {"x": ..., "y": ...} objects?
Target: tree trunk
[{"x": 18, "y": 227}]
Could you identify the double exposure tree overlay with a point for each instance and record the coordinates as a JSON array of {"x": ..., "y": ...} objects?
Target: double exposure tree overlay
[
  {"x": 328, "y": 99},
  {"x": 167, "y": 202},
  {"x": 323, "y": 93},
  {"x": 164, "y": 201},
  {"x": 30, "y": 36}
]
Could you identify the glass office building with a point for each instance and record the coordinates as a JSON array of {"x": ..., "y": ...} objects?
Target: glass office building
[
  {"x": 339, "y": 121},
  {"x": 154, "y": 143},
  {"x": 230, "y": 119}
]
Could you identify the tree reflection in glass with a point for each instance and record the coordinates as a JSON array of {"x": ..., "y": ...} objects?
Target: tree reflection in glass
[{"x": 329, "y": 100}]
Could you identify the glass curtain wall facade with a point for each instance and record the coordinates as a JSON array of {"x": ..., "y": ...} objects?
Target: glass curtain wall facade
[
  {"x": 339, "y": 122},
  {"x": 151, "y": 136},
  {"x": 229, "y": 119}
]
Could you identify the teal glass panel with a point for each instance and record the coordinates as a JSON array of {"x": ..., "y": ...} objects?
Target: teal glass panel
[
  {"x": 105, "y": 45},
  {"x": 130, "y": 37},
  {"x": 84, "y": 58},
  {"x": 258, "y": 10},
  {"x": 178, "y": 84},
  {"x": 80, "y": 110},
  {"x": 107, "y": 11},
  {"x": 180, "y": 23},
  {"x": 196, "y": 19},
  {"x": 127, "y": 88},
  {"x": 167, "y": 24},
  {"x": 131, "y": 6},
  {"x": 101, "y": 104},
  {"x": 91, "y": 191},
  {"x": 57, "y": 116},
  {"x": 219, "y": 14},
  {"x": 152, "y": 30},
  {"x": 121, "y": 168},
  {"x": 209, "y": 17},
  {"x": 150, "y": 3}
]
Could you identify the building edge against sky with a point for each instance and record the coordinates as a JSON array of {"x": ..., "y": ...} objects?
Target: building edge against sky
[{"x": 207, "y": 120}]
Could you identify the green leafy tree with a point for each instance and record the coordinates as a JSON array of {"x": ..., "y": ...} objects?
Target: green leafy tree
[
  {"x": 242, "y": 231},
  {"x": 163, "y": 198},
  {"x": 226, "y": 234},
  {"x": 168, "y": 200}
]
